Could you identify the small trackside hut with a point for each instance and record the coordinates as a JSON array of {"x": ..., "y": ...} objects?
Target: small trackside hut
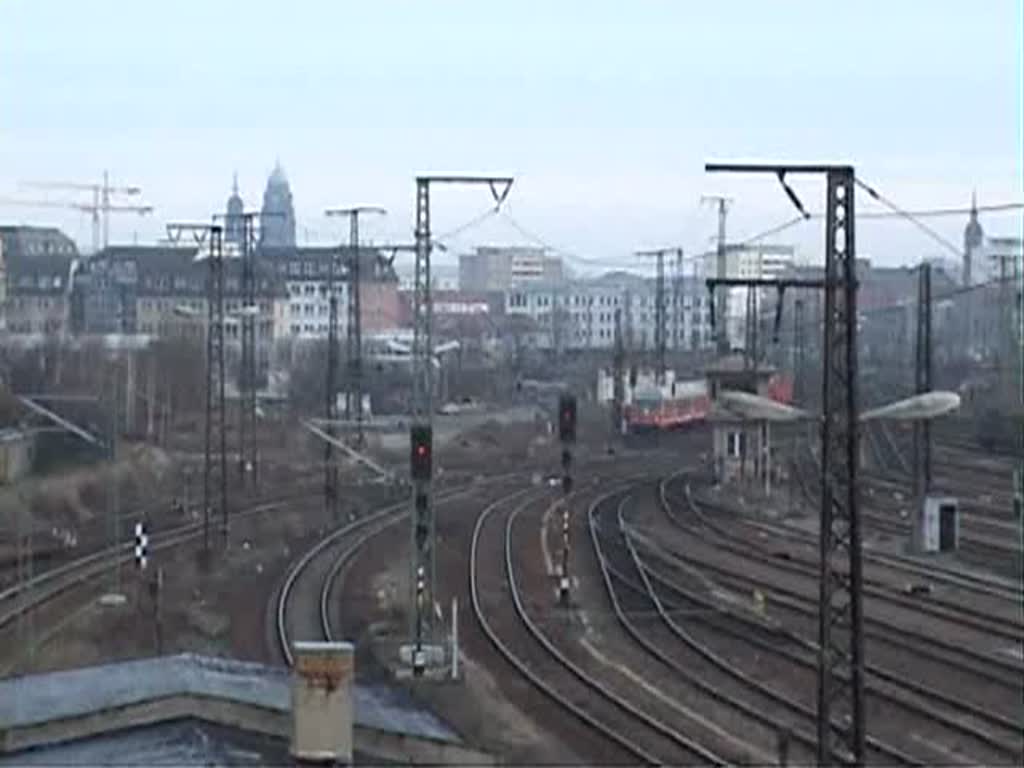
[{"x": 741, "y": 446}]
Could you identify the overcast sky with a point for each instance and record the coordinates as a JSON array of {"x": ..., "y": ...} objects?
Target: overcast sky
[{"x": 604, "y": 111}]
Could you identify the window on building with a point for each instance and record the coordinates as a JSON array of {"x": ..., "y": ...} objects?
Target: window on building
[{"x": 734, "y": 444}]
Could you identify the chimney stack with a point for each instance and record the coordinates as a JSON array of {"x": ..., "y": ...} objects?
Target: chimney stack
[{"x": 322, "y": 703}]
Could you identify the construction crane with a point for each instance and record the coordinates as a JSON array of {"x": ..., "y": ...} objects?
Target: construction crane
[{"x": 100, "y": 203}]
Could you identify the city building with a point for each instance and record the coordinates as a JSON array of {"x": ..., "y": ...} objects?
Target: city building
[
  {"x": 306, "y": 273},
  {"x": 580, "y": 314},
  {"x": 443, "y": 277},
  {"x": 499, "y": 268},
  {"x": 988, "y": 258},
  {"x": 749, "y": 261},
  {"x": 1003, "y": 257},
  {"x": 161, "y": 292},
  {"x": 277, "y": 216},
  {"x": 39, "y": 263},
  {"x": 33, "y": 241}
]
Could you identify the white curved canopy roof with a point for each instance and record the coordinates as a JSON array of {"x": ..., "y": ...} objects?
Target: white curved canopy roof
[{"x": 928, "y": 405}]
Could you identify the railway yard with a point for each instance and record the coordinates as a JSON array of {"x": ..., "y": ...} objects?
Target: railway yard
[{"x": 690, "y": 636}]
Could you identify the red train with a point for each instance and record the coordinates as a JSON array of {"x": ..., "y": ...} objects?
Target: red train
[{"x": 685, "y": 403}]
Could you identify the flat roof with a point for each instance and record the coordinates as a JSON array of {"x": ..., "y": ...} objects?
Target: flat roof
[{"x": 36, "y": 699}]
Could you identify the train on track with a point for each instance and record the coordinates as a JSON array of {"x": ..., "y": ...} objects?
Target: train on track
[{"x": 681, "y": 404}]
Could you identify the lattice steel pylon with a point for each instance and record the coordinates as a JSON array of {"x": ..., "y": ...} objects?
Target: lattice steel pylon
[
  {"x": 840, "y": 635},
  {"x": 618, "y": 376},
  {"x": 216, "y": 427},
  {"x": 354, "y": 324},
  {"x": 799, "y": 370},
  {"x": 721, "y": 300},
  {"x": 331, "y": 394},
  {"x": 247, "y": 375},
  {"x": 422, "y": 530},
  {"x": 660, "y": 314},
  {"x": 841, "y": 722},
  {"x": 215, "y": 476},
  {"x": 677, "y": 303},
  {"x": 923, "y": 382}
]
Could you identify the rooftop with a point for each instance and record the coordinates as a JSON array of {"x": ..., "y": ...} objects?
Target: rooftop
[{"x": 187, "y": 695}]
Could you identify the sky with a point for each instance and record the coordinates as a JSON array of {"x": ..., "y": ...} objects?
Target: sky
[{"x": 604, "y": 112}]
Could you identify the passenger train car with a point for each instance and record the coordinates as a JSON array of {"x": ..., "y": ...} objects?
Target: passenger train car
[{"x": 685, "y": 403}]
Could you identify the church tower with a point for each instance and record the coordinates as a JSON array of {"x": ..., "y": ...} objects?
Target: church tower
[
  {"x": 974, "y": 236},
  {"x": 277, "y": 216},
  {"x": 233, "y": 225}
]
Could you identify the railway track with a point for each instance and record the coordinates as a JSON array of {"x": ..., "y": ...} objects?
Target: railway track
[
  {"x": 1000, "y": 551},
  {"x": 311, "y": 579},
  {"x": 32, "y": 593},
  {"x": 802, "y": 561},
  {"x": 57, "y": 594},
  {"x": 753, "y": 707},
  {"x": 602, "y": 708},
  {"x": 94, "y": 536},
  {"x": 995, "y": 735}
]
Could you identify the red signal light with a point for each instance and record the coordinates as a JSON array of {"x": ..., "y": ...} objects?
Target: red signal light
[
  {"x": 421, "y": 437},
  {"x": 567, "y": 418}
]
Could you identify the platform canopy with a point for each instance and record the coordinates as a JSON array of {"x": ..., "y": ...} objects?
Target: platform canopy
[
  {"x": 928, "y": 405},
  {"x": 750, "y": 406},
  {"x": 921, "y": 407}
]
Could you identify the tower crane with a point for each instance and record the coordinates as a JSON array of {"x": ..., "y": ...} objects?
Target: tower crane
[{"x": 101, "y": 203}]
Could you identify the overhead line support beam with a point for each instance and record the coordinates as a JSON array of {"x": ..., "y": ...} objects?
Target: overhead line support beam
[
  {"x": 840, "y": 627},
  {"x": 423, "y": 567}
]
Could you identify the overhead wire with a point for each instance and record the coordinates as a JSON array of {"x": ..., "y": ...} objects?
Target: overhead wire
[
  {"x": 908, "y": 216},
  {"x": 541, "y": 242},
  {"x": 903, "y": 304},
  {"x": 475, "y": 221}
]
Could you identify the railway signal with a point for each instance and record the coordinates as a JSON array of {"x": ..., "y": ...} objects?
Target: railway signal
[
  {"x": 567, "y": 418},
  {"x": 567, "y": 435},
  {"x": 421, "y": 440},
  {"x": 141, "y": 546},
  {"x": 422, "y": 622},
  {"x": 418, "y": 657}
]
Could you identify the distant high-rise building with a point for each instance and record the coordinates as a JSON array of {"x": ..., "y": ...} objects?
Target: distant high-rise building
[
  {"x": 277, "y": 216},
  {"x": 233, "y": 225},
  {"x": 498, "y": 268},
  {"x": 974, "y": 238}
]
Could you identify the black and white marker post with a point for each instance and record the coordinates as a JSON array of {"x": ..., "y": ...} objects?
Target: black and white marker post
[{"x": 141, "y": 546}]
